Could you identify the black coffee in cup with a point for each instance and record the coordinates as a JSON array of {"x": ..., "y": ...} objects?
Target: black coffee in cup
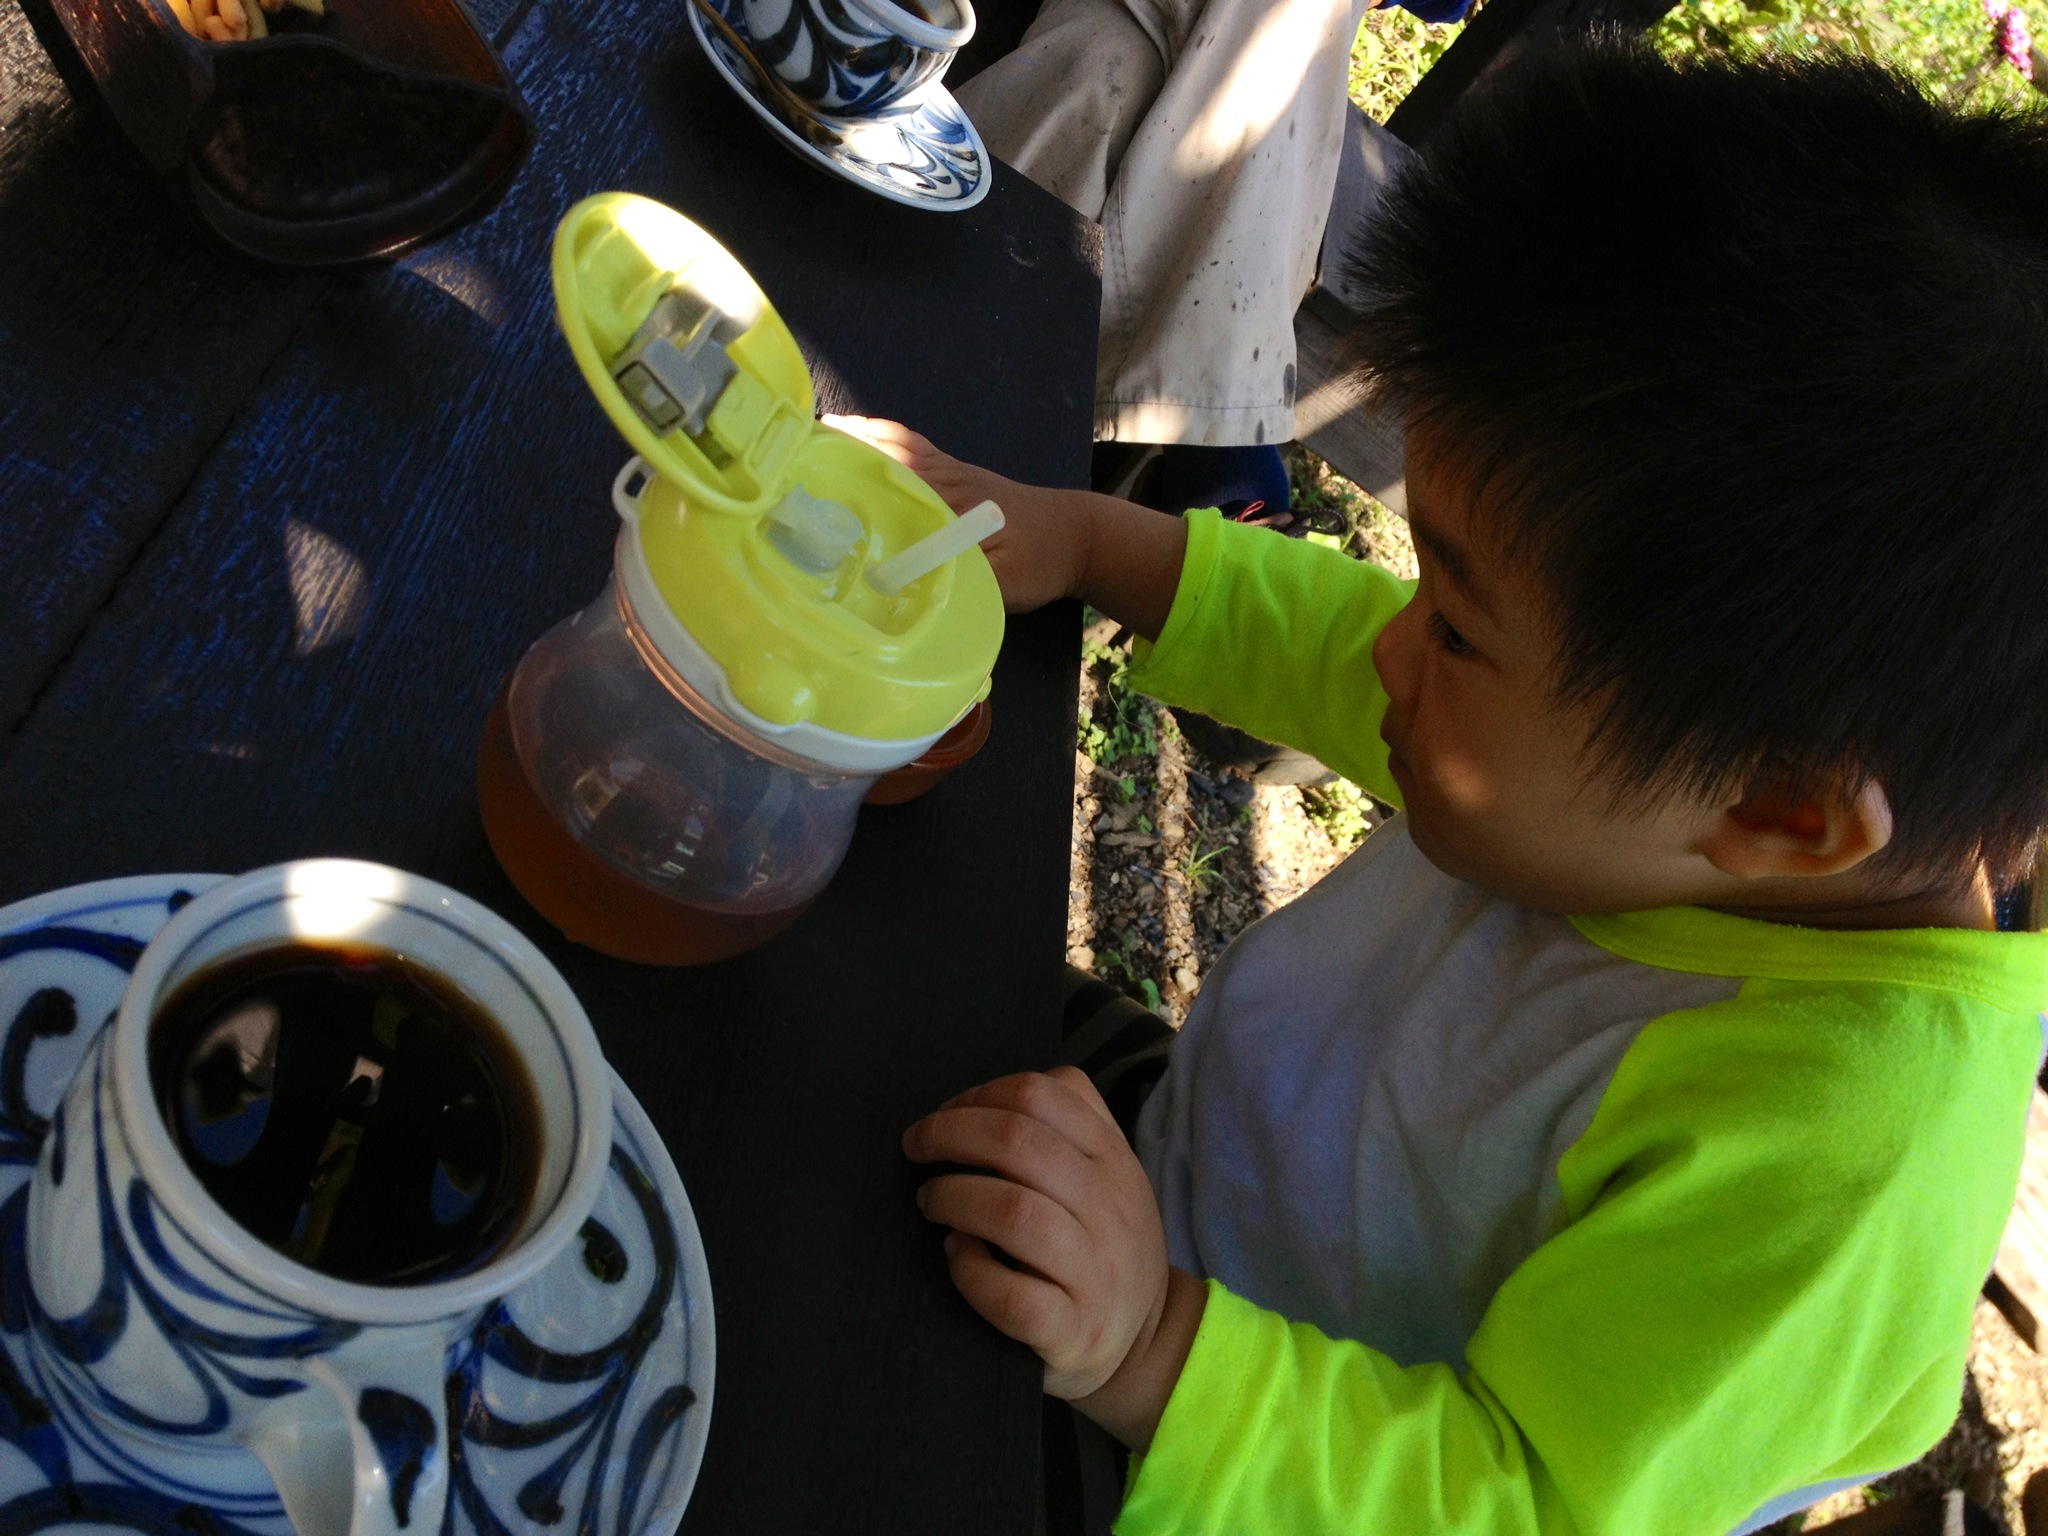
[{"x": 351, "y": 1109}]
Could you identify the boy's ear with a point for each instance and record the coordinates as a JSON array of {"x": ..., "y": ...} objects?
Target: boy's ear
[{"x": 1772, "y": 832}]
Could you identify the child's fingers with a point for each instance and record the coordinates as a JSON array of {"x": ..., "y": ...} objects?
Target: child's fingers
[
  {"x": 1052, "y": 1098},
  {"x": 1019, "y": 1148},
  {"x": 1030, "y": 1310},
  {"x": 1032, "y": 1228},
  {"x": 892, "y": 437},
  {"x": 1083, "y": 1088},
  {"x": 868, "y": 428}
]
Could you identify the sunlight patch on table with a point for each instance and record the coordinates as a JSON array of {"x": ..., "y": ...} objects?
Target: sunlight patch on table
[
  {"x": 462, "y": 280},
  {"x": 330, "y": 588}
]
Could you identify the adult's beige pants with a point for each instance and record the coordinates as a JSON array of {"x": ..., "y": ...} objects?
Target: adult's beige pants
[{"x": 1204, "y": 135}]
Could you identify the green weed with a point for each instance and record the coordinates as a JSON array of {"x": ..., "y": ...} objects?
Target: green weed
[
  {"x": 1947, "y": 45},
  {"x": 1393, "y": 50},
  {"x": 1123, "y": 723},
  {"x": 1199, "y": 864},
  {"x": 1340, "y": 808}
]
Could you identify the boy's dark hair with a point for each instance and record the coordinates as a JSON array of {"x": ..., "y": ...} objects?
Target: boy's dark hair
[{"x": 1751, "y": 363}]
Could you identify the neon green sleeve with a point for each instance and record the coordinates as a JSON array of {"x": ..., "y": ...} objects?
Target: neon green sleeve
[
  {"x": 1276, "y": 1428},
  {"x": 1274, "y": 635},
  {"x": 1774, "y": 1232}
]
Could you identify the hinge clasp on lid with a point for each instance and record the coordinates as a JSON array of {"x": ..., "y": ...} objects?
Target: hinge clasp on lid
[{"x": 676, "y": 366}]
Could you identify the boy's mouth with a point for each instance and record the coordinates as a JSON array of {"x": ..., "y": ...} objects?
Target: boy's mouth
[
  {"x": 1397, "y": 760},
  {"x": 1402, "y": 770}
]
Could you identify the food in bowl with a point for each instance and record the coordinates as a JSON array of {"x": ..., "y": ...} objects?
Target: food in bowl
[{"x": 234, "y": 21}]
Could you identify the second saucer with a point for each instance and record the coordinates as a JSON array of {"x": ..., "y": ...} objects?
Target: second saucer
[{"x": 921, "y": 151}]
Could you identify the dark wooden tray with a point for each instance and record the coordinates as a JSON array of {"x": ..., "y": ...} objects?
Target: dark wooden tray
[{"x": 359, "y": 134}]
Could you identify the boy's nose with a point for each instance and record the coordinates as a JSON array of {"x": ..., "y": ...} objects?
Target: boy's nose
[{"x": 1397, "y": 657}]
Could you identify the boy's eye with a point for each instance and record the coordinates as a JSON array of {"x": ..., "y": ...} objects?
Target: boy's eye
[{"x": 1449, "y": 639}]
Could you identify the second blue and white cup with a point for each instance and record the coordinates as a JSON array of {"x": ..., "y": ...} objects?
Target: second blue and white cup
[{"x": 850, "y": 58}]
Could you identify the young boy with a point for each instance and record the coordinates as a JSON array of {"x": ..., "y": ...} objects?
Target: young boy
[{"x": 1616, "y": 1143}]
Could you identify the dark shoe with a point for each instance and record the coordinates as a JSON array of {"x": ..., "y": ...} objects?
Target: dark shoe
[
  {"x": 1265, "y": 761},
  {"x": 1192, "y": 476}
]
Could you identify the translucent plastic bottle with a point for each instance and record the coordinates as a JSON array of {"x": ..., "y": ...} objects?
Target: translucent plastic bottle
[
  {"x": 672, "y": 774},
  {"x": 637, "y": 817}
]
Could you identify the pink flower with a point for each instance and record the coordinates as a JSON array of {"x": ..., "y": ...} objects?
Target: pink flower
[{"x": 2010, "y": 37}]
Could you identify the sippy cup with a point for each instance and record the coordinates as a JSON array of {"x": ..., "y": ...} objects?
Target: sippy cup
[{"x": 672, "y": 774}]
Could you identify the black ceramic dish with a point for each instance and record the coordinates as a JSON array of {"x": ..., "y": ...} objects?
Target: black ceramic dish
[{"x": 360, "y": 133}]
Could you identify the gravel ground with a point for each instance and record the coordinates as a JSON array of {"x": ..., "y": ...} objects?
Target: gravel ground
[{"x": 1174, "y": 855}]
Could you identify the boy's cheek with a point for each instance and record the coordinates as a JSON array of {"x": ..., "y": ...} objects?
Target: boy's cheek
[
  {"x": 1465, "y": 814},
  {"x": 1453, "y": 773},
  {"x": 1462, "y": 785}
]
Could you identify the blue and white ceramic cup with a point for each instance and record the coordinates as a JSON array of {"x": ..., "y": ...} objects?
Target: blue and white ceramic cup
[
  {"x": 849, "y": 58},
  {"x": 166, "y": 1334}
]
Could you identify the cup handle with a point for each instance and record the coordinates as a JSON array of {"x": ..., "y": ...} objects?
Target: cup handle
[{"x": 362, "y": 1450}]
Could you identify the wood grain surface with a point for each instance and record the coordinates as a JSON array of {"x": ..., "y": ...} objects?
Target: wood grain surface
[
  {"x": 2019, "y": 1277},
  {"x": 126, "y": 350},
  {"x": 268, "y": 542}
]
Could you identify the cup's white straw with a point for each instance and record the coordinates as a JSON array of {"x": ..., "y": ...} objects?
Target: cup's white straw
[{"x": 892, "y": 575}]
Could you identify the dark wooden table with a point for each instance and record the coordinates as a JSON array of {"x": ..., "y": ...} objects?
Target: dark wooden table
[{"x": 268, "y": 541}]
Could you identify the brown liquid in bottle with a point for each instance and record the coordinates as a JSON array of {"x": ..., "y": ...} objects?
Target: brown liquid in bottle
[{"x": 579, "y": 893}]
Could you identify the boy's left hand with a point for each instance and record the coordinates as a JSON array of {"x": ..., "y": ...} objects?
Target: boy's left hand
[
  {"x": 1066, "y": 1198},
  {"x": 1123, "y": 559}
]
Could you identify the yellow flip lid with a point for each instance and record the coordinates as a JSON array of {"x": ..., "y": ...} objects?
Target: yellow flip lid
[{"x": 761, "y": 526}]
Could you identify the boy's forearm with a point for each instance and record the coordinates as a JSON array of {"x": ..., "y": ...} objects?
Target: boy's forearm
[
  {"x": 1130, "y": 1403},
  {"x": 1130, "y": 564}
]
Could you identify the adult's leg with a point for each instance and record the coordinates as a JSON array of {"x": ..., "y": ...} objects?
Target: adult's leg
[
  {"x": 1213, "y": 222},
  {"x": 1062, "y": 107},
  {"x": 1205, "y": 135}
]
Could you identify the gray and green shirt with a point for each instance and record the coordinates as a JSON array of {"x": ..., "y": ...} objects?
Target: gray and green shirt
[{"x": 1663, "y": 1222}]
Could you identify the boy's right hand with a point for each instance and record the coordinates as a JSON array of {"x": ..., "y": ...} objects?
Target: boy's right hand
[
  {"x": 1064, "y": 1197},
  {"x": 1041, "y": 553}
]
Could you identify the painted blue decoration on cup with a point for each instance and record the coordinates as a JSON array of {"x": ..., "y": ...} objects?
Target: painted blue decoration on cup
[
  {"x": 161, "y": 1331},
  {"x": 920, "y": 151},
  {"x": 850, "y": 58},
  {"x": 585, "y": 1390}
]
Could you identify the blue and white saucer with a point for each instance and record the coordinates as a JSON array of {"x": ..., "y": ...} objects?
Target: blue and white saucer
[
  {"x": 578, "y": 1406},
  {"x": 920, "y": 151}
]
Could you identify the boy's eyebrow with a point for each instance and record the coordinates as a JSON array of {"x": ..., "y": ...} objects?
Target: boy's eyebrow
[{"x": 1456, "y": 564}]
